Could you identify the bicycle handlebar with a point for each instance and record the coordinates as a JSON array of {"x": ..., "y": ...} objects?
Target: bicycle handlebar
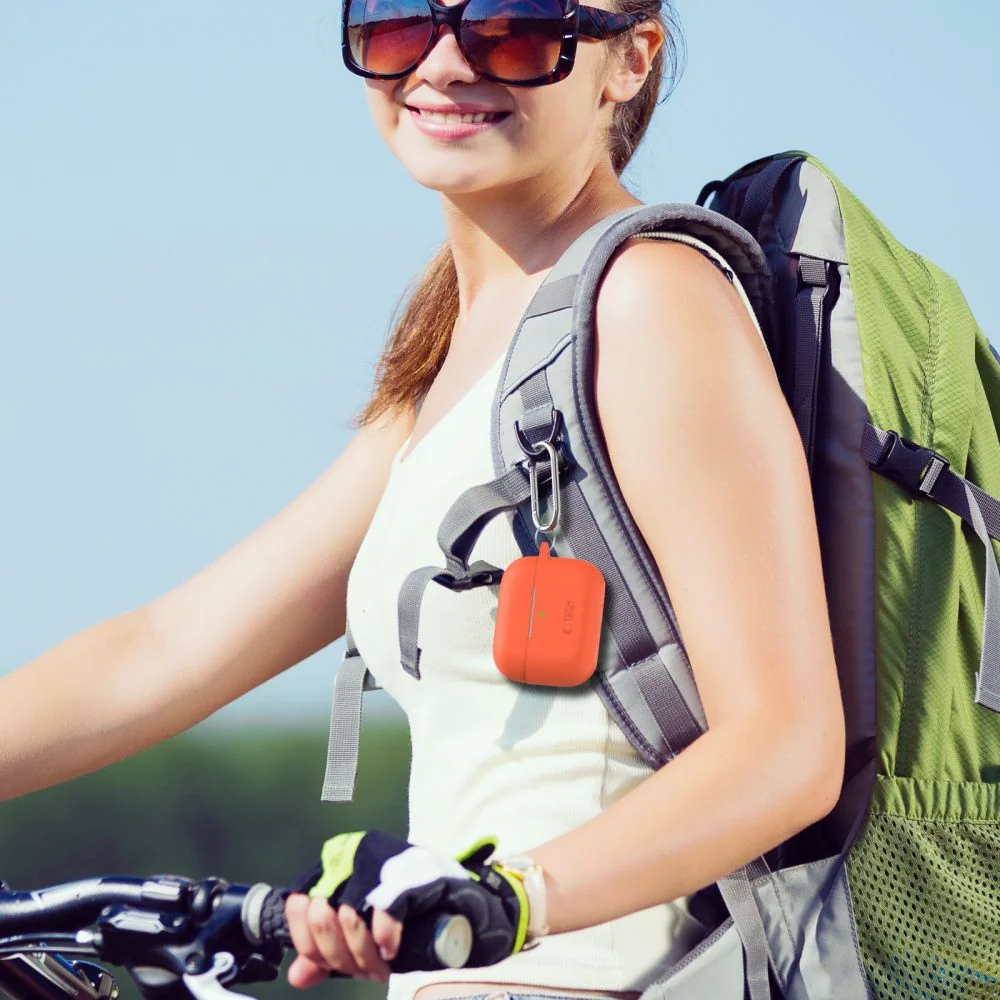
[{"x": 176, "y": 937}]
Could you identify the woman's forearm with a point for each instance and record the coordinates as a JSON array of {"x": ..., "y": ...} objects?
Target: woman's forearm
[
  {"x": 729, "y": 797},
  {"x": 98, "y": 696}
]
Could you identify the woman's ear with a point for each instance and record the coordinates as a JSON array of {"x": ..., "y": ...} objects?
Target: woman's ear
[{"x": 632, "y": 62}]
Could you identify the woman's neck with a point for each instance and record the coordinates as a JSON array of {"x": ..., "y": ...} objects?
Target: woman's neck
[{"x": 507, "y": 236}]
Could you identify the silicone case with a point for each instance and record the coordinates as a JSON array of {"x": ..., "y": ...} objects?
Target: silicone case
[{"x": 548, "y": 627}]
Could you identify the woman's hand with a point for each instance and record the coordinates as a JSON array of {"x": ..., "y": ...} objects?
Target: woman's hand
[
  {"x": 398, "y": 882},
  {"x": 338, "y": 940}
]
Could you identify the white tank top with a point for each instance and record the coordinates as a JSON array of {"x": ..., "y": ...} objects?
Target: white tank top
[{"x": 489, "y": 756}]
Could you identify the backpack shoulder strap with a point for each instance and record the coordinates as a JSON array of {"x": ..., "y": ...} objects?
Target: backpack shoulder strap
[{"x": 643, "y": 672}]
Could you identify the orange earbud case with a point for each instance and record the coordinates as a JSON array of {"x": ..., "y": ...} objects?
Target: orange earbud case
[{"x": 548, "y": 627}]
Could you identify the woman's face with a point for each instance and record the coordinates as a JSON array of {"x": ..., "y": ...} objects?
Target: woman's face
[{"x": 527, "y": 131}]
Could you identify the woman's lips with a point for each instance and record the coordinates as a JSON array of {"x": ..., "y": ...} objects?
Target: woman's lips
[{"x": 446, "y": 124}]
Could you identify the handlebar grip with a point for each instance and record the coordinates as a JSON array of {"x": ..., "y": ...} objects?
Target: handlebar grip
[
  {"x": 430, "y": 941},
  {"x": 273, "y": 922}
]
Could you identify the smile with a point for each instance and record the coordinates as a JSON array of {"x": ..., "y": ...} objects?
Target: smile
[
  {"x": 453, "y": 125},
  {"x": 456, "y": 118}
]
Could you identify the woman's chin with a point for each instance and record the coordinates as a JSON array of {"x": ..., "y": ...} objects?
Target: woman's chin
[
  {"x": 452, "y": 172},
  {"x": 456, "y": 182}
]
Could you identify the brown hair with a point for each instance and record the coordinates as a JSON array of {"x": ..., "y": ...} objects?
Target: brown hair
[{"x": 421, "y": 330}]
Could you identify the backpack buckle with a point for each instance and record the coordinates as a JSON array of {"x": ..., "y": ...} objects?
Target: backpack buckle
[
  {"x": 910, "y": 465},
  {"x": 475, "y": 578}
]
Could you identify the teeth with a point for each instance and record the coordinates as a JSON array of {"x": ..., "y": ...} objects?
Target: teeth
[{"x": 452, "y": 118}]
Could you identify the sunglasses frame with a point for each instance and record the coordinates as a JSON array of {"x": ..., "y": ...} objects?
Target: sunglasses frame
[{"x": 578, "y": 20}]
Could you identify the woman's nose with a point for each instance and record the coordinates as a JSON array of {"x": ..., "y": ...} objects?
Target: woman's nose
[{"x": 445, "y": 63}]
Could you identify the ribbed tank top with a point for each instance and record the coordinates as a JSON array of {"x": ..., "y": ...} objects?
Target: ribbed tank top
[{"x": 489, "y": 756}]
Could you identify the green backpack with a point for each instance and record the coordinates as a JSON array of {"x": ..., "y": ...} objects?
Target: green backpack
[{"x": 896, "y": 393}]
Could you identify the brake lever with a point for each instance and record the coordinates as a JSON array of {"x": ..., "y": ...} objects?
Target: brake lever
[{"x": 208, "y": 985}]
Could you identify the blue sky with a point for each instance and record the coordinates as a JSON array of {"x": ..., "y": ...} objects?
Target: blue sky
[{"x": 202, "y": 239}]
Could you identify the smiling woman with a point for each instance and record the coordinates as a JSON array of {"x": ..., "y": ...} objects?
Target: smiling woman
[
  {"x": 520, "y": 116},
  {"x": 523, "y": 115}
]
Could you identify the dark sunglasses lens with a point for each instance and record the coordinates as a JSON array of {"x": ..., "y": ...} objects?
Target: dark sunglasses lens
[
  {"x": 387, "y": 36},
  {"x": 514, "y": 40}
]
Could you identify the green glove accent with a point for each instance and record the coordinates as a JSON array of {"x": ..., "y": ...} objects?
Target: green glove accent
[
  {"x": 475, "y": 858},
  {"x": 522, "y": 897},
  {"x": 478, "y": 853},
  {"x": 337, "y": 858}
]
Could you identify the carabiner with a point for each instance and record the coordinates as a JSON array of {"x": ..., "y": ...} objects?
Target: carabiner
[{"x": 536, "y": 516}]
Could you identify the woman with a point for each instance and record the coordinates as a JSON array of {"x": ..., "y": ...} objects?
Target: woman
[{"x": 526, "y": 157}]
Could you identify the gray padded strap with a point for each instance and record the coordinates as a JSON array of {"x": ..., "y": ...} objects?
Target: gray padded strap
[
  {"x": 636, "y": 646},
  {"x": 459, "y": 531},
  {"x": 988, "y": 675},
  {"x": 352, "y": 680},
  {"x": 742, "y": 906}
]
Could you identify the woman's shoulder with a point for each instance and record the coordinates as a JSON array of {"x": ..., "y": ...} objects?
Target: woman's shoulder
[
  {"x": 667, "y": 312},
  {"x": 658, "y": 284}
]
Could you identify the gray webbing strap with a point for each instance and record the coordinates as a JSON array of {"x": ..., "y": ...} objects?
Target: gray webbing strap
[
  {"x": 988, "y": 675},
  {"x": 956, "y": 493},
  {"x": 552, "y": 297},
  {"x": 925, "y": 473},
  {"x": 739, "y": 899},
  {"x": 459, "y": 531},
  {"x": 352, "y": 680},
  {"x": 808, "y": 339},
  {"x": 473, "y": 510},
  {"x": 411, "y": 598}
]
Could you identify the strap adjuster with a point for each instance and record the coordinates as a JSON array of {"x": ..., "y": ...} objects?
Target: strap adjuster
[
  {"x": 480, "y": 578},
  {"x": 910, "y": 465}
]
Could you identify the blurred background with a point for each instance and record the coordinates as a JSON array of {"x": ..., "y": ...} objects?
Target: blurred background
[{"x": 202, "y": 240}]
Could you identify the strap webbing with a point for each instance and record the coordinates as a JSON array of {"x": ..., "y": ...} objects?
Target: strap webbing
[
  {"x": 761, "y": 192},
  {"x": 411, "y": 598},
  {"x": 929, "y": 476},
  {"x": 459, "y": 531},
  {"x": 988, "y": 675},
  {"x": 808, "y": 339},
  {"x": 739, "y": 899},
  {"x": 925, "y": 473},
  {"x": 552, "y": 297},
  {"x": 352, "y": 680},
  {"x": 473, "y": 510}
]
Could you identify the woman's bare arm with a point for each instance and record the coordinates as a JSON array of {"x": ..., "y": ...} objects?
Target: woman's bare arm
[
  {"x": 269, "y": 602},
  {"x": 711, "y": 466}
]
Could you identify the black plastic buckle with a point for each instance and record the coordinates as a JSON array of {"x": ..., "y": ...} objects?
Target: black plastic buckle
[
  {"x": 482, "y": 578},
  {"x": 907, "y": 463}
]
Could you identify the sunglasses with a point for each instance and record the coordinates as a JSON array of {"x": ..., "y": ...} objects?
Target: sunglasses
[{"x": 521, "y": 43}]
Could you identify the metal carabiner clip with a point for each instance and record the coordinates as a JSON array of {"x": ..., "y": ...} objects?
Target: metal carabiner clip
[{"x": 536, "y": 517}]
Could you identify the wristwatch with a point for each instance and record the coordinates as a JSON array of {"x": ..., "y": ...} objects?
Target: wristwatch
[{"x": 532, "y": 877}]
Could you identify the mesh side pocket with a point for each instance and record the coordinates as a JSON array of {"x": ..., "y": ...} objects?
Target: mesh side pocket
[{"x": 926, "y": 899}]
